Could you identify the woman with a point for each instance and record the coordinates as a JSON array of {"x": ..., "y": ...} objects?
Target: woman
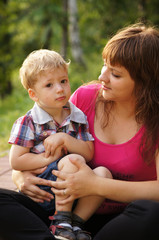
[
  {"x": 122, "y": 112},
  {"x": 123, "y": 120}
]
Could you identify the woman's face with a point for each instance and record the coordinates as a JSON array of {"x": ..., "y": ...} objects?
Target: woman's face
[{"x": 117, "y": 84}]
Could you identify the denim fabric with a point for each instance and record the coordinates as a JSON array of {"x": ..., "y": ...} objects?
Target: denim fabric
[{"x": 47, "y": 174}]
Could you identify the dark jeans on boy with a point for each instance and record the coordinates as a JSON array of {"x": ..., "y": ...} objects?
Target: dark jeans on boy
[{"x": 47, "y": 174}]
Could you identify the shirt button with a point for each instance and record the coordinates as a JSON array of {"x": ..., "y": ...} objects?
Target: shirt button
[
  {"x": 59, "y": 130},
  {"x": 45, "y": 134}
]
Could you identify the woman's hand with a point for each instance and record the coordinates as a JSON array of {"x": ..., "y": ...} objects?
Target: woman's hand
[
  {"x": 27, "y": 182},
  {"x": 75, "y": 185}
]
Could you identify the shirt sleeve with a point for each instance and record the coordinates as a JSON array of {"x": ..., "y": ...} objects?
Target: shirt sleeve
[
  {"x": 83, "y": 133},
  {"x": 22, "y": 132}
]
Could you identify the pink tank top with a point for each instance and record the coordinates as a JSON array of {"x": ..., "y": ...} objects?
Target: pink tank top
[{"x": 123, "y": 160}]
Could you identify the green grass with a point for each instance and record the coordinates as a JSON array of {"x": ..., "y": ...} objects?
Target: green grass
[
  {"x": 11, "y": 108},
  {"x": 18, "y": 103}
]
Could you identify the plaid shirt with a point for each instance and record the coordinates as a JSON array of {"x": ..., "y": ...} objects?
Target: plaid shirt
[{"x": 32, "y": 129}]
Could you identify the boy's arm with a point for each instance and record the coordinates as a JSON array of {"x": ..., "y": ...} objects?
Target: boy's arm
[
  {"x": 73, "y": 145},
  {"x": 21, "y": 158},
  {"x": 84, "y": 148}
]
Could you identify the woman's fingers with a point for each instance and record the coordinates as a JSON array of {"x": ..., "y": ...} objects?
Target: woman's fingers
[
  {"x": 35, "y": 197},
  {"x": 29, "y": 186},
  {"x": 41, "y": 181},
  {"x": 73, "y": 185},
  {"x": 60, "y": 174},
  {"x": 59, "y": 192},
  {"x": 66, "y": 200},
  {"x": 78, "y": 162},
  {"x": 34, "y": 191},
  {"x": 37, "y": 200}
]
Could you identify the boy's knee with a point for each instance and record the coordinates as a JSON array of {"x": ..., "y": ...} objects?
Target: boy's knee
[
  {"x": 103, "y": 172},
  {"x": 66, "y": 165},
  {"x": 77, "y": 156}
]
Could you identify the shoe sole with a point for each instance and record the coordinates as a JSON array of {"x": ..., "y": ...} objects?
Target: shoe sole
[{"x": 60, "y": 238}]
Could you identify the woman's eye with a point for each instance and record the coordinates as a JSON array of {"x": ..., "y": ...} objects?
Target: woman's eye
[{"x": 115, "y": 75}]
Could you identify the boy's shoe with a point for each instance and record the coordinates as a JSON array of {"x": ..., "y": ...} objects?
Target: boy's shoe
[
  {"x": 62, "y": 233},
  {"x": 58, "y": 228},
  {"x": 82, "y": 235},
  {"x": 78, "y": 226}
]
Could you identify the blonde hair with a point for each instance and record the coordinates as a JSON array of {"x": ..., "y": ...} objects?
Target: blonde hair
[{"x": 37, "y": 62}]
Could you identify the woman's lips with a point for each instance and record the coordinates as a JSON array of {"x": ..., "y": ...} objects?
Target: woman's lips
[{"x": 105, "y": 88}]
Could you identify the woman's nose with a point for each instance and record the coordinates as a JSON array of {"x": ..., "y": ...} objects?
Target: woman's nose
[{"x": 104, "y": 76}]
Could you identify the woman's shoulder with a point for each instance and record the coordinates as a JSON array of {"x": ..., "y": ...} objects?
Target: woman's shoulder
[
  {"x": 91, "y": 87},
  {"x": 85, "y": 96},
  {"x": 86, "y": 91}
]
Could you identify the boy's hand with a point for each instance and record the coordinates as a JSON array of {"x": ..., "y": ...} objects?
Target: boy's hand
[
  {"x": 54, "y": 141},
  {"x": 59, "y": 152}
]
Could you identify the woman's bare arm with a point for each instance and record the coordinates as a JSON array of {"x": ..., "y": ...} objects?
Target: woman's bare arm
[{"x": 84, "y": 183}]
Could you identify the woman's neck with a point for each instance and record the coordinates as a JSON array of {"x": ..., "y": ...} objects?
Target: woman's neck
[
  {"x": 123, "y": 110},
  {"x": 118, "y": 126}
]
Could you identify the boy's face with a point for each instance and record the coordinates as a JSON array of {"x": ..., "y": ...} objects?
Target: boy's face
[{"x": 52, "y": 89}]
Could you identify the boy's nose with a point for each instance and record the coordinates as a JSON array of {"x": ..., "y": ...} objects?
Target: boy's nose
[{"x": 59, "y": 88}]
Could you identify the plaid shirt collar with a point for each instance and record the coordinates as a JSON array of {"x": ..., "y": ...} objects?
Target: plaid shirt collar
[{"x": 40, "y": 116}]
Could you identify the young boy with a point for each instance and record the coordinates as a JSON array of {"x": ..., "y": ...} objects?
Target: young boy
[{"x": 50, "y": 130}]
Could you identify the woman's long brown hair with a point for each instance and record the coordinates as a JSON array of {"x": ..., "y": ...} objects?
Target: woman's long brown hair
[{"x": 137, "y": 49}]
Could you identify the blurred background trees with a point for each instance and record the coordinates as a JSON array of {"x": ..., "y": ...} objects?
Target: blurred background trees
[
  {"x": 78, "y": 29},
  {"x": 73, "y": 27}
]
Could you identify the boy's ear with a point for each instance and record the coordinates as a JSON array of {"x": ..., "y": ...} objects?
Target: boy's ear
[{"x": 32, "y": 94}]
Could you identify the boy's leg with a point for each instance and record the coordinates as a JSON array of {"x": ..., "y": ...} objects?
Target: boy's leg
[
  {"x": 21, "y": 218},
  {"x": 87, "y": 206},
  {"x": 47, "y": 174},
  {"x": 65, "y": 165},
  {"x": 62, "y": 220}
]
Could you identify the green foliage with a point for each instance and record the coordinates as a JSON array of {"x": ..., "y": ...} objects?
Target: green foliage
[
  {"x": 5, "y": 56},
  {"x": 79, "y": 75},
  {"x": 12, "y": 107},
  {"x": 100, "y": 19}
]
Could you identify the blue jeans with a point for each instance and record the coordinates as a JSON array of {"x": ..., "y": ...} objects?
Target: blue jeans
[{"x": 47, "y": 174}]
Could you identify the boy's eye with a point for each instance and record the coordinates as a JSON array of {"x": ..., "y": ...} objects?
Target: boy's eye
[
  {"x": 64, "y": 81},
  {"x": 49, "y": 85}
]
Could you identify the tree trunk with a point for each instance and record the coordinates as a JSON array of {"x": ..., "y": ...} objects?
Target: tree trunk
[
  {"x": 142, "y": 11},
  {"x": 65, "y": 30},
  {"x": 76, "y": 49}
]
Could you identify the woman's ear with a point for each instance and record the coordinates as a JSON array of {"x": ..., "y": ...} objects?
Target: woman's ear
[{"x": 32, "y": 94}]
